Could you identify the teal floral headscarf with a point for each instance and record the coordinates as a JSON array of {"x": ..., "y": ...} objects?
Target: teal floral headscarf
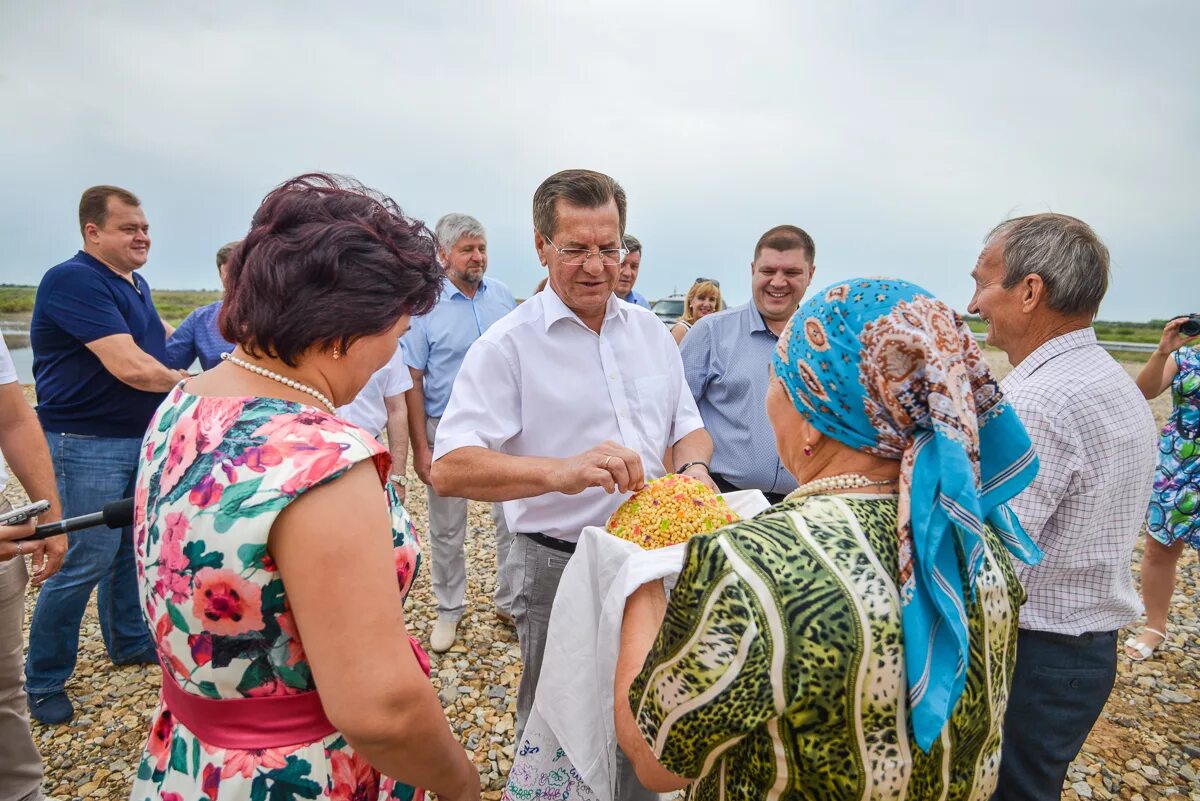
[{"x": 884, "y": 367}]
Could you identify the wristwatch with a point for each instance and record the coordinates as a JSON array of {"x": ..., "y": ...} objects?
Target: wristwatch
[
  {"x": 693, "y": 464},
  {"x": 398, "y": 478}
]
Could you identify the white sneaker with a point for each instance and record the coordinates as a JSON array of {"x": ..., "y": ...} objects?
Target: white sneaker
[{"x": 442, "y": 637}]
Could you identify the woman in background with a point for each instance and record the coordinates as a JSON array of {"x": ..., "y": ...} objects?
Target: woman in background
[
  {"x": 1174, "y": 517},
  {"x": 273, "y": 555},
  {"x": 702, "y": 299}
]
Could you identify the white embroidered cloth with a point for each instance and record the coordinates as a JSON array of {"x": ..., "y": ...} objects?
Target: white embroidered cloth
[{"x": 569, "y": 746}]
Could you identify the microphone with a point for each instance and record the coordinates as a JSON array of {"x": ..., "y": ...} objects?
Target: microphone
[{"x": 117, "y": 514}]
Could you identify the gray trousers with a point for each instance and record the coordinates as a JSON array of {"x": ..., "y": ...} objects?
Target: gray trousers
[
  {"x": 447, "y": 533},
  {"x": 536, "y": 571},
  {"x": 20, "y": 763}
]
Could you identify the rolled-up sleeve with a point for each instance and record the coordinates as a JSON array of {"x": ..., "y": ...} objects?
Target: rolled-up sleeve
[
  {"x": 485, "y": 403},
  {"x": 706, "y": 683}
]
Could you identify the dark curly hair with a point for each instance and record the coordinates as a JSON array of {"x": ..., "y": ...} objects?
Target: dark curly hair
[{"x": 326, "y": 261}]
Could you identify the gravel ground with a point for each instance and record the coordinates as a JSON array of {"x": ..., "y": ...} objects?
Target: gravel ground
[{"x": 1145, "y": 746}]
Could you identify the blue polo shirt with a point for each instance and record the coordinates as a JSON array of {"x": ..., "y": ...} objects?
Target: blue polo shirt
[
  {"x": 437, "y": 342},
  {"x": 80, "y": 301}
]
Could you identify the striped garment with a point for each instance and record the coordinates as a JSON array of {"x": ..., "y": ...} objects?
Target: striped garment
[{"x": 779, "y": 670}]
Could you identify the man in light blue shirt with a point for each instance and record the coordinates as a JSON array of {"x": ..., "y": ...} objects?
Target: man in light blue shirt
[
  {"x": 434, "y": 348},
  {"x": 198, "y": 337},
  {"x": 627, "y": 276},
  {"x": 727, "y": 357}
]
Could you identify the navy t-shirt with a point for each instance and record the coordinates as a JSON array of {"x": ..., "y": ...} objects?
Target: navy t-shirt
[{"x": 80, "y": 301}]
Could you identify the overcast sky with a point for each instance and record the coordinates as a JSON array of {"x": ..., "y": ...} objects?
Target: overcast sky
[{"x": 896, "y": 136}]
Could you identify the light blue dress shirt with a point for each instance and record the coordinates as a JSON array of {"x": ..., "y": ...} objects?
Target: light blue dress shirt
[
  {"x": 198, "y": 337},
  {"x": 726, "y": 360},
  {"x": 636, "y": 299},
  {"x": 437, "y": 342}
]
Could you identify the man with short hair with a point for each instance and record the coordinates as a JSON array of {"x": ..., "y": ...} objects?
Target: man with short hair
[
  {"x": 98, "y": 347},
  {"x": 1038, "y": 285},
  {"x": 434, "y": 348},
  {"x": 628, "y": 274},
  {"x": 24, "y": 449},
  {"x": 198, "y": 336},
  {"x": 566, "y": 405},
  {"x": 727, "y": 357}
]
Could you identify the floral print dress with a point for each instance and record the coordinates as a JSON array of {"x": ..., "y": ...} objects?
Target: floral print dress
[
  {"x": 1175, "y": 503},
  {"x": 215, "y": 473}
]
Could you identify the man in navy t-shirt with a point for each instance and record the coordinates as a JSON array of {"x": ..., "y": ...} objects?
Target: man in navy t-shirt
[{"x": 98, "y": 347}]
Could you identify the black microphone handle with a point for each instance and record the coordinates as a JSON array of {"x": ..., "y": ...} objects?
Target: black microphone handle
[{"x": 117, "y": 514}]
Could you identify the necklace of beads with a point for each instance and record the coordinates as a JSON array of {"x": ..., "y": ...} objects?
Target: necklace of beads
[
  {"x": 294, "y": 384},
  {"x": 827, "y": 484}
]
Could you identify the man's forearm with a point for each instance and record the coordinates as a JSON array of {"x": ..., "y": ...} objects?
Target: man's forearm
[
  {"x": 25, "y": 450},
  {"x": 152, "y": 376},
  {"x": 414, "y": 399},
  {"x": 483, "y": 475},
  {"x": 397, "y": 432},
  {"x": 695, "y": 447}
]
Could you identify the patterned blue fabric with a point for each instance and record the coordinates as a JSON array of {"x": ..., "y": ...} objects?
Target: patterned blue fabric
[
  {"x": 197, "y": 337},
  {"x": 882, "y": 366}
]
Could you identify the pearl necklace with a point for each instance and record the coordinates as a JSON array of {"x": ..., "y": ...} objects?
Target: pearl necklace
[
  {"x": 265, "y": 373},
  {"x": 835, "y": 483}
]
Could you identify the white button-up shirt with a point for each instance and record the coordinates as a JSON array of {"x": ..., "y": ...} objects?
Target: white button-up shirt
[
  {"x": 541, "y": 383},
  {"x": 1094, "y": 437}
]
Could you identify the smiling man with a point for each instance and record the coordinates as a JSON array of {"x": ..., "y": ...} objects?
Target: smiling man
[
  {"x": 98, "y": 352},
  {"x": 566, "y": 405},
  {"x": 726, "y": 357},
  {"x": 1038, "y": 284}
]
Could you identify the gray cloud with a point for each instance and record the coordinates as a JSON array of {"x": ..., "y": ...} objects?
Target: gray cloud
[{"x": 897, "y": 137}]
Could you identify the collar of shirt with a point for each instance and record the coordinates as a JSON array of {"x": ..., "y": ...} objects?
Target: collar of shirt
[
  {"x": 754, "y": 322},
  {"x": 553, "y": 309},
  {"x": 1080, "y": 338},
  {"x": 450, "y": 291},
  {"x": 136, "y": 280}
]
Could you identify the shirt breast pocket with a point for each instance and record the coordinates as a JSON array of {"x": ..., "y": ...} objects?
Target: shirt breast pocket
[{"x": 653, "y": 412}]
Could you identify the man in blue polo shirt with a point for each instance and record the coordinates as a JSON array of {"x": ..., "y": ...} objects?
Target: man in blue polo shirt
[
  {"x": 98, "y": 346},
  {"x": 727, "y": 357},
  {"x": 434, "y": 348}
]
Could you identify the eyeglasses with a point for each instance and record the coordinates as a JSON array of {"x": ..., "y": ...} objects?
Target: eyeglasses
[
  {"x": 609, "y": 257},
  {"x": 712, "y": 281}
]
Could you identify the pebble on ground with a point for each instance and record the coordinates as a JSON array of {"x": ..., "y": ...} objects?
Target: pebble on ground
[{"x": 1145, "y": 746}]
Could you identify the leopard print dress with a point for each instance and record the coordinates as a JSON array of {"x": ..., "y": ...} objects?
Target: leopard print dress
[{"x": 778, "y": 672}]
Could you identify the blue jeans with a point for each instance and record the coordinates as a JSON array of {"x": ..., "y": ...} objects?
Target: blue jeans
[
  {"x": 90, "y": 472},
  {"x": 1060, "y": 685}
]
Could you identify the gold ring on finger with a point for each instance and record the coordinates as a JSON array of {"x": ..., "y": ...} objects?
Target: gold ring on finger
[{"x": 604, "y": 464}]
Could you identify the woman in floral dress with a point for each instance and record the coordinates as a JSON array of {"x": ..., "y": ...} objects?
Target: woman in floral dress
[
  {"x": 273, "y": 552},
  {"x": 1174, "y": 517}
]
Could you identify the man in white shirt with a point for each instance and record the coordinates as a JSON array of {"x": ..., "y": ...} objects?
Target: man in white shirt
[
  {"x": 24, "y": 449},
  {"x": 380, "y": 405},
  {"x": 566, "y": 405},
  {"x": 1038, "y": 285}
]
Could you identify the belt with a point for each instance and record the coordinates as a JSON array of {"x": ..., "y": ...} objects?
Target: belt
[
  {"x": 549, "y": 542},
  {"x": 255, "y": 724}
]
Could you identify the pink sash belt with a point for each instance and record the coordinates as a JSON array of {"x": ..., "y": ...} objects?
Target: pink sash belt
[{"x": 255, "y": 724}]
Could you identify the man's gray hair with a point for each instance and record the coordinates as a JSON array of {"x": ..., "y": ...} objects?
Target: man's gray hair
[
  {"x": 1064, "y": 251},
  {"x": 631, "y": 243},
  {"x": 453, "y": 227}
]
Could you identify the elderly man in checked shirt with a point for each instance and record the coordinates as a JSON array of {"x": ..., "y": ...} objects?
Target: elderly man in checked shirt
[{"x": 1038, "y": 285}]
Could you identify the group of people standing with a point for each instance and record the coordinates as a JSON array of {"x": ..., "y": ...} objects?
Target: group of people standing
[{"x": 915, "y": 499}]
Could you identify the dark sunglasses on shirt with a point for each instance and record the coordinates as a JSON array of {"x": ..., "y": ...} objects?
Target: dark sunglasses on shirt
[{"x": 712, "y": 281}]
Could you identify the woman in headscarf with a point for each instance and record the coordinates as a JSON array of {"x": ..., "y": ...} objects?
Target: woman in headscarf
[{"x": 857, "y": 640}]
